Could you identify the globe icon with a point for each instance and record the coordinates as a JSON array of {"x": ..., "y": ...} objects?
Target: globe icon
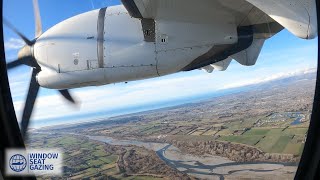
[{"x": 17, "y": 163}]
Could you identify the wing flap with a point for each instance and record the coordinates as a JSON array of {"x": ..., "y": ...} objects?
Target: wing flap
[{"x": 249, "y": 56}]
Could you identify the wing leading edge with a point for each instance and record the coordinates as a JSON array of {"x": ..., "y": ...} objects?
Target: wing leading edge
[
  {"x": 299, "y": 16},
  {"x": 254, "y": 21}
]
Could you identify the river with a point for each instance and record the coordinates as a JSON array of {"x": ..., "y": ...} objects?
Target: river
[{"x": 207, "y": 166}]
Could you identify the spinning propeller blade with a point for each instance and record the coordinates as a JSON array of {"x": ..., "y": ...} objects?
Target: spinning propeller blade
[
  {"x": 30, "y": 101},
  {"x": 25, "y": 57}
]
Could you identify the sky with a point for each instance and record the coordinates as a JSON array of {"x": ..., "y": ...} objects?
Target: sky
[{"x": 283, "y": 55}]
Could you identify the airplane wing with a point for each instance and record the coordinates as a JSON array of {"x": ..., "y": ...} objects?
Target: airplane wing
[{"x": 239, "y": 19}]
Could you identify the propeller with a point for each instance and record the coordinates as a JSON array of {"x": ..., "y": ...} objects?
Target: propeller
[{"x": 25, "y": 57}]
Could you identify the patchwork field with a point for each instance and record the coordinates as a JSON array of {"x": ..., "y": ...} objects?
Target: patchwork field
[{"x": 273, "y": 140}]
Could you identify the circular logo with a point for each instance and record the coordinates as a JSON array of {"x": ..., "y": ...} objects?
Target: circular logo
[
  {"x": 75, "y": 61},
  {"x": 17, "y": 163}
]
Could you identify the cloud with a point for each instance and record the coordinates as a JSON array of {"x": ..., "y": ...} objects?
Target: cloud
[
  {"x": 13, "y": 44},
  {"x": 269, "y": 78}
]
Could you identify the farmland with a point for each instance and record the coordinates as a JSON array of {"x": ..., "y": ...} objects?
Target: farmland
[
  {"x": 263, "y": 124},
  {"x": 272, "y": 140}
]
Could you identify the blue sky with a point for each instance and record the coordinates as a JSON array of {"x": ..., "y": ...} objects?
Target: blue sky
[{"x": 283, "y": 55}]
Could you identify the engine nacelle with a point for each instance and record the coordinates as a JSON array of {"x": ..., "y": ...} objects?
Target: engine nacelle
[
  {"x": 94, "y": 48},
  {"x": 109, "y": 46}
]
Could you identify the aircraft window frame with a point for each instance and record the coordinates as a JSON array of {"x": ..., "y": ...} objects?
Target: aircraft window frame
[{"x": 309, "y": 166}]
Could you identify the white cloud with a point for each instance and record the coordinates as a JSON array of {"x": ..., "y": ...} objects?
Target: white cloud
[
  {"x": 269, "y": 78},
  {"x": 13, "y": 44}
]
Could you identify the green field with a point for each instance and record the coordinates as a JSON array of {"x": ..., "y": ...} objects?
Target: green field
[
  {"x": 295, "y": 131},
  {"x": 257, "y": 132},
  {"x": 243, "y": 139},
  {"x": 275, "y": 131},
  {"x": 281, "y": 144},
  {"x": 293, "y": 148},
  {"x": 267, "y": 143},
  {"x": 272, "y": 140}
]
